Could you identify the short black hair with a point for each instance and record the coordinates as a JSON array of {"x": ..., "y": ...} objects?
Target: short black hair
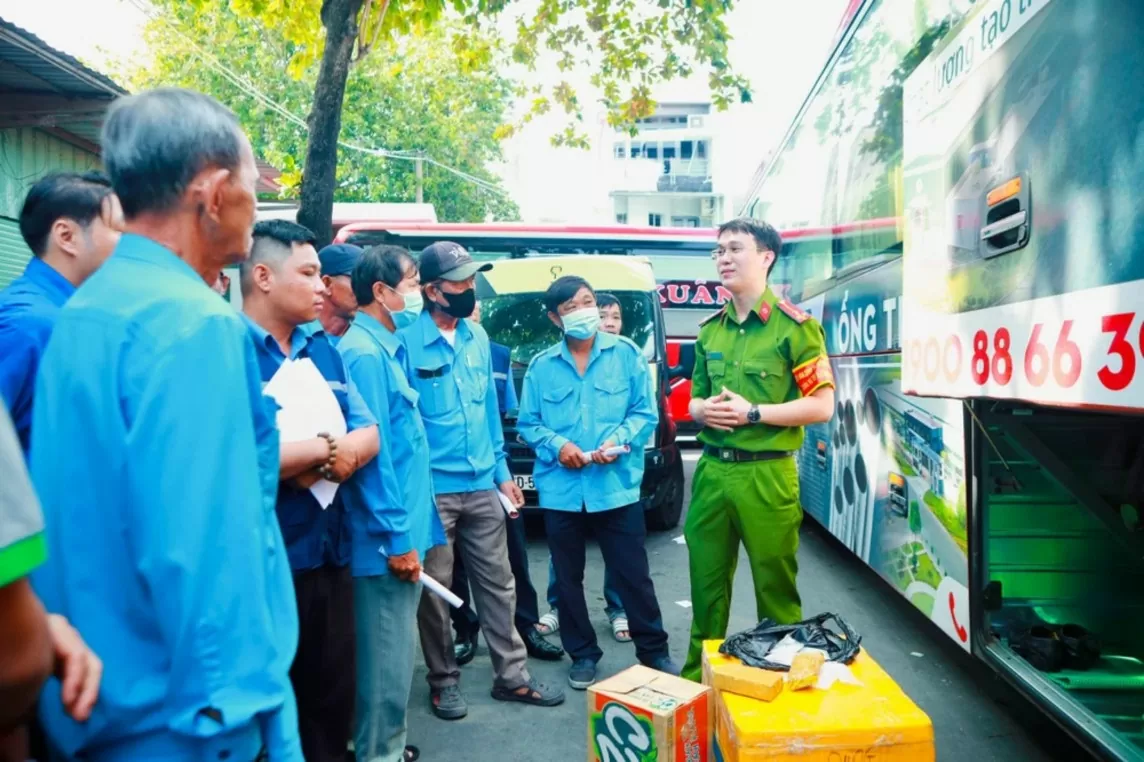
[
  {"x": 380, "y": 264},
  {"x": 284, "y": 232},
  {"x": 155, "y": 142},
  {"x": 70, "y": 195},
  {"x": 274, "y": 242},
  {"x": 563, "y": 289},
  {"x": 608, "y": 300},
  {"x": 764, "y": 233}
]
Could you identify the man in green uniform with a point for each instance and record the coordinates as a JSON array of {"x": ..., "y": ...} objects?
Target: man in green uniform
[{"x": 761, "y": 374}]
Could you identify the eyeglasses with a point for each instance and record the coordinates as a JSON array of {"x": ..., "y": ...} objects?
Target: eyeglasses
[{"x": 733, "y": 250}]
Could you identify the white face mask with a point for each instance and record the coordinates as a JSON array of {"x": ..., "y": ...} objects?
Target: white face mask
[
  {"x": 413, "y": 303},
  {"x": 582, "y": 323}
]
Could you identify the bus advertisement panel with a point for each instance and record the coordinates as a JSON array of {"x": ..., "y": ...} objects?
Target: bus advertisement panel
[
  {"x": 1023, "y": 184},
  {"x": 886, "y": 475}
]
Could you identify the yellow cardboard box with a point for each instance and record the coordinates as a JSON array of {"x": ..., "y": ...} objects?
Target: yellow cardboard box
[
  {"x": 874, "y": 721},
  {"x": 643, "y": 714}
]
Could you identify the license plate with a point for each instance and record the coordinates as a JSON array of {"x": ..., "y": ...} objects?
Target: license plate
[{"x": 525, "y": 483}]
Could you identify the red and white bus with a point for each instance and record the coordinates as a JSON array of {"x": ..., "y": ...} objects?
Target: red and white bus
[{"x": 680, "y": 259}]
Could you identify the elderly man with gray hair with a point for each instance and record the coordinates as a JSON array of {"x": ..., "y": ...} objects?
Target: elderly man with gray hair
[{"x": 156, "y": 459}]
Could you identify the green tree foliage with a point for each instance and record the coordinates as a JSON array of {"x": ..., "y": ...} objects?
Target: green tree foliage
[
  {"x": 630, "y": 45},
  {"x": 416, "y": 94}
]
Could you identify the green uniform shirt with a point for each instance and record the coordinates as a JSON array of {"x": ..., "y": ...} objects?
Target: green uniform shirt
[
  {"x": 777, "y": 354},
  {"x": 22, "y": 546}
]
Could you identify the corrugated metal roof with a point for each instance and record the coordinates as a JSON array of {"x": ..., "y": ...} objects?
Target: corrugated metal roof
[{"x": 33, "y": 66}]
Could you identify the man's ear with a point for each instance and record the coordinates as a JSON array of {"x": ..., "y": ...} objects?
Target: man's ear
[
  {"x": 556, "y": 321},
  {"x": 208, "y": 191},
  {"x": 263, "y": 277},
  {"x": 66, "y": 235}
]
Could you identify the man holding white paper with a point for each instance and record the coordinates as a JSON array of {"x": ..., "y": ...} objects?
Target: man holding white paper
[
  {"x": 392, "y": 511},
  {"x": 587, "y": 412},
  {"x": 327, "y": 435}
]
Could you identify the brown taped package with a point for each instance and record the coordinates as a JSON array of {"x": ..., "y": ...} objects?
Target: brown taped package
[{"x": 804, "y": 669}]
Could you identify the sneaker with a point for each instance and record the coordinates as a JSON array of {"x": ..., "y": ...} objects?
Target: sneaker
[
  {"x": 582, "y": 674},
  {"x": 666, "y": 665},
  {"x": 448, "y": 703}
]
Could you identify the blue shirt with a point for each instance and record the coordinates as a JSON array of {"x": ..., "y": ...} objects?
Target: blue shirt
[
  {"x": 156, "y": 462},
  {"x": 458, "y": 401},
  {"x": 314, "y": 536},
  {"x": 611, "y": 402},
  {"x": 28, "y": 311},
  {"x": 392, "y": 510},
  {"x": 502, "y": 377}
]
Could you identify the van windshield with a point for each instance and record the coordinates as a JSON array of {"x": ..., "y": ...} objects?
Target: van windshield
[{"x": 520, "y": 322}]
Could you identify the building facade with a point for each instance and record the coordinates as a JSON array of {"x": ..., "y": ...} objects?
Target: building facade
[{"x": 662, "y": 175}]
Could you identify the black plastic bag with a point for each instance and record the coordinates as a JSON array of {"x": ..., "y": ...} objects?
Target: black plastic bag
[{"x": 753, "y": 645}]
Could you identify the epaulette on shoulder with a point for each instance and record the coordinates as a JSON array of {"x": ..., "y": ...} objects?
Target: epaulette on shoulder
[
  {"x": 793, "y": 312},
  {"x": 713, "y": 316}
]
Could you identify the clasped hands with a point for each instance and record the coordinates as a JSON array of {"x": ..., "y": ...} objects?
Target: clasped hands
[{"x": 725, "y": 411}]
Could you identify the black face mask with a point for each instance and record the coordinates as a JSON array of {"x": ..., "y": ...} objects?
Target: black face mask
[{"x": 460, "y": 305}]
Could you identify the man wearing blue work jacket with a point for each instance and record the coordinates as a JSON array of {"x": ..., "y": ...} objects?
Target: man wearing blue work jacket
[
  {"x": 527, "y": 615},
  {"x": 156, "y": 462},
  {"x": 71, "y": 223},
  {"x": 582, "y": 400},
  {"x": 450, "y": 367},
  {"x": 393, "y": 513},
  {"x": 282, "y": 291}
]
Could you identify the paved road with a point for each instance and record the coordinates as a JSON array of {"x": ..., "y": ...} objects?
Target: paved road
[{"x": 976, "y": 717}]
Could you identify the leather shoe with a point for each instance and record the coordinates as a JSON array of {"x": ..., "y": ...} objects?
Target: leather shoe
[
  {"x": 465, "y": 650},
  {"x": 539, "y": 648}
]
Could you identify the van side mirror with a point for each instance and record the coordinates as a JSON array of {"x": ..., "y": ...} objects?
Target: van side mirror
[{"x": 686, "y": 362}]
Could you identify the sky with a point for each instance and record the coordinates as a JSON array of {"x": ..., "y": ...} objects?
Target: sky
[{"x": 779, "y": 45}]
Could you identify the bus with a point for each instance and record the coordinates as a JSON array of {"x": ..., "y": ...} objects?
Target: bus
[
  {"x": 680, "y": 259},
  {"x": 981, "y": 166}
]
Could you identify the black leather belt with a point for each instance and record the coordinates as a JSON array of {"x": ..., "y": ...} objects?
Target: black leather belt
[{"x": 732, "y": 455}]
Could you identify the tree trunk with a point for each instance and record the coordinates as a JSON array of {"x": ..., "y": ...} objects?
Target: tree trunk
[{"x": 319, "y": 174}]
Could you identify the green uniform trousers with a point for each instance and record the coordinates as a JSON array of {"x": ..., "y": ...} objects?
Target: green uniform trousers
[{"x": 756, "y": 503}]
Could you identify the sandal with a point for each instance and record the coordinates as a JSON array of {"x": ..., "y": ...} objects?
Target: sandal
[
  {"x": 537, "y": 694},
  {"x": 620, "y": 629},
  {"x": 549, "y": 624}
]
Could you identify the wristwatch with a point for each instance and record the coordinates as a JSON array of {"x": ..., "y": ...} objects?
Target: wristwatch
[{"x": 753, "y": 415}]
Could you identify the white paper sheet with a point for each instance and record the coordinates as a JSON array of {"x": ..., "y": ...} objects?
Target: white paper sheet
[
  {"x": 440, "y": 591},
  {"x": 509, "y": 508},
  {"x": 307, "y": 406}
]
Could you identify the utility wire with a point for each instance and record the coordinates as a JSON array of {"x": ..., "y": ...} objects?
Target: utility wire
[{"x": 243, "y": 84}]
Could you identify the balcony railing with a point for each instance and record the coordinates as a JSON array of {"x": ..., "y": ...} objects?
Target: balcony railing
[{"x": 685, "y": 175}]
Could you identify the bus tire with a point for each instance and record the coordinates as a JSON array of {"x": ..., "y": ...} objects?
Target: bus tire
[{"x": 667, "y": 500}]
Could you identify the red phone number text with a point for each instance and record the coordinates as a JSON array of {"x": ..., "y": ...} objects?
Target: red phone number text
[{"x": 1048, "y": 354}]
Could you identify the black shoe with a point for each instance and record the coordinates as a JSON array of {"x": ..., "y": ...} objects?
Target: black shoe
[
  {"x": 664, "y": 664},
  {"x": 582, "y": 674},
  {"x": 465, "y": 650},
  {"x": 539, "y": 648},
  {"x": 1082, "y": 648},
  {"x": 1041, "y": 647}
]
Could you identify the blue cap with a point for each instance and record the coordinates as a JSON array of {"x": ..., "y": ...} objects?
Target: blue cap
[{"x": 339, "y": 258}]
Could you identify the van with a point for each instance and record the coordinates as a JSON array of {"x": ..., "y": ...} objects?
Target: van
[{"x": 513, "y": 313}]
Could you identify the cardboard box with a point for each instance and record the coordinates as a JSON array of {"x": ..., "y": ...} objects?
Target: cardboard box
[
  {"x": 873, "y": 721},
  {"x": 642, "y": 714}
]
